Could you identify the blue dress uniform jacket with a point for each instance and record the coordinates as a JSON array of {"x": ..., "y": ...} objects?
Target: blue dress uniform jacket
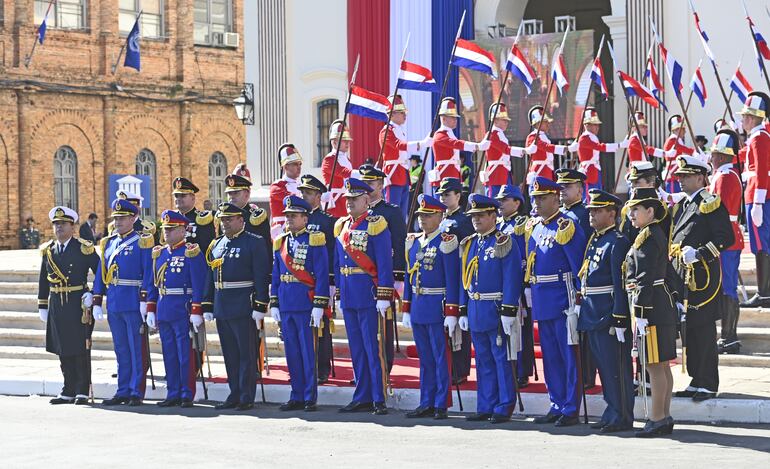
[
  {"x": 397, "y": 228},
  {"x": 457, "y": 223},
  {"x": 579, "y": 211}
]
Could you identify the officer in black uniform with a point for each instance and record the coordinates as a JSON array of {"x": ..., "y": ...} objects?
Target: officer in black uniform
[
  {"x": 701, "y": 230},
  {"x": 313, "y": 191},
  {"x": 201, "y": 230},
  {"x": 64, "y": 303},
  {"x": 395, "y": 218},
  {"x": 238, "y": 190}
]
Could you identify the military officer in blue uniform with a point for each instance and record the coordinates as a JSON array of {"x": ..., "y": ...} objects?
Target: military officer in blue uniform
[
  {"x": 397, "y": 227},
  {"x": 572, "y": 184},
  {"x": 200, "y": 227},
  {"x": 489, "y": 307},
  {"x": 458, "y": 223},
  {"x": 124, "y": 276},
  {"x": 363, "y": 269},
  {"x": 298, "y": 298},
  {"x": 431, "y": 304},
  {"x": 140, "y": 226},
  {"x": 554, "y": 255},
  {"x": 174, "y": 305},
  {"x": 604, "y": 313},
  {"x": 512, "y": 220},
  {"x": 313, "y": 191},
  {"x": 237, "y": 297}
]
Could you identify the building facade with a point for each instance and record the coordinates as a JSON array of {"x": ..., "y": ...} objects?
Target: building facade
[{"x": 70, "y": 119}]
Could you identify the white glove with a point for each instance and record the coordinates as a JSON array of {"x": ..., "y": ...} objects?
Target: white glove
[
  {"x": 399, "y": 287},
  {"x": 315, "y": 316},
  {"x": 450, "y": 323},
  {"x": 572, "y": 332},
  {"x": 463, "y": 323},
  {"x": 756, "y": 215},
  {"x": 624, "y": 143},
  {"x": 508, "y": 323},
  {"x": 641, "y": 326},
  {"x": 87, "y": 299},
  {"x": 426, "y": 142},
  {"x": 338, "y": 306},
  {"x": 680, "y": 307},
  {"x": 532, "y": 149},
  {"x": 208, "y": 316},
  {"x": 43, "y": 314},
  {"x": 143, "y": 310},
  {"x": 620, "y": 334},
  {"x": 512, "y": 328},
  {"x": 151, "y": 320},
  {"x": 689, "y": 255},
  {"x": 275, "y": 313},
  {"x": 528, "y": 296},
  {"x": 196, "y": 320},
  {"x": 406, "y": 320},
  {"x": 573, "y": 147},
  {"x": 258, "y": 317},
  {"x": 332, "y": 292},
  {"x": 484, "y": 145},
  {"x": 98, "y": 313},
  {"x": 382, "y": 306}
]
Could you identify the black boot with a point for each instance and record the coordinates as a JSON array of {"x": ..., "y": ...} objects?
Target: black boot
[
  {"x": 729, "y": 342},
  {"x": 762, "y": 297}
]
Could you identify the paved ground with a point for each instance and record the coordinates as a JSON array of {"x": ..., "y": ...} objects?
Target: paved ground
[{"x": 35, "y": 434}]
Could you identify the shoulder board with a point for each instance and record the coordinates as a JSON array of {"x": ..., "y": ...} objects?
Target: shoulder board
[
  {"x": 520, "y": 226},
  {"x": 148, "y": 227},
  {"x": 467, "y": 240},
  {"x": 156, "y": 251},
  {"x": 146, "y": 241},
  {"x": 410, "y": 239},
  {"x": 86, "y": 247},
  {"x": 278, "y": 241},
  {"x": 204, "y": 217},
  {"x": 566, "y": 230},
  {"x": 192, "y": 250},
  {"x": 258, "y": 216},
  {"x": 503, "y": 244},
  {"x": 376, "y": 224},
  {"x": 449, "y": 243},
  {"x": 339, "y": 224},
  {"x": 317, "y": 238},
  {"x": 642, "y": 237},
  {"x": 709, "y": 203},
  {"x": 45, "y": 248}
]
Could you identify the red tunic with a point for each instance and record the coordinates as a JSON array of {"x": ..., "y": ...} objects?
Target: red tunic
[
  {"x": 336, "y": 188},
  {"x": 757, "y": 166},
  {"x": 278, "y": 191},
  {"x": 637, "y": 153},
  {"x": 541, "y": 162},
  {"x": 446, "y": 151},
  {"x": 395, "y": 156},
  {"x": 726, "y": 183},
  {"x": 681, "y": 149},
  {"x": 498, "y": 159},
  {"x": 589, "y": 149}
]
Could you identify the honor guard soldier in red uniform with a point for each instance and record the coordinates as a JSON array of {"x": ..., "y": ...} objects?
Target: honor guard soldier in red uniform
[
  {"x": 200, "y": 226},
  {"x": 674, "y": 142},
  {"x": 64, "y": 303},
  {"x": 726, "y": 183},
  {"x": 291, "y": 167},
  {"x": 498, "y": 170},
  {"x": 342, "y": 170},
  {"x": 174, "y": 306},
  {"x": 312, "y": 191},
  {"x": 539, "y": 146},
  {"x": 589, "y": 149},
  {"x": 363, "y": 270},
  {"x": 395, "y": 155},
  {"x": 238, "y": 191},
  {"x": 638, "y": 153},
  {"x": 298, "y": 299},
  {"x": 447, "y": 147}
]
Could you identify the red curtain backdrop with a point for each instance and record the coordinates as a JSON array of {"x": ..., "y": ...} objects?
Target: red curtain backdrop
[{"x": 368, "y": 35}]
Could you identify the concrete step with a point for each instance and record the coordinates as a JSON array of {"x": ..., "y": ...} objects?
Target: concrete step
[
  {"x": 19, "y": 287},
  {"x": 18, "y": 302},
  {"x": 12, "y": 275}
]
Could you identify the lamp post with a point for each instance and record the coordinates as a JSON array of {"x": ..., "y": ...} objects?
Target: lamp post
[{"x": 244, "y": 104}]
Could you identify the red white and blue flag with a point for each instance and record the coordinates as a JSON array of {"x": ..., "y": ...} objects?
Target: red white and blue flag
[
  {"x": 740, "y": 84},
  {"x": 762, "y": 50},
  {"x": 416, "y": 77},
  {"x": 698, "y": 87},
  {"x": 518, "y": 65},
  {"x": 469, "y": 55},
  {"x": 674, "y": 70},
  {"x": 559, "y": 73},
  {"x": 366, "y": 103},
  {"x": 634, "y": 88},
  {"x": 653, "y": 80},
  {"x": 597, "y": 75},
  {"x": 704, "y": 39}
]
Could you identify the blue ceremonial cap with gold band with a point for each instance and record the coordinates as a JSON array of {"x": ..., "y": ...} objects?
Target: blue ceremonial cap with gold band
[
  {"x": 481, "y": 203},
  {"x": 600, "y": 199},
  {"x": 226, "y": 209},
  {"x": 428, "y": 204},
  {"x": 569, "y": 176},
  {"x": 544, "y": 186},
  {"x": 370, "y": 173},
  {"x": 62, "y": 213},
  {"x": 294, "y": 204},
  {"x": 509, "y": 192},
  {"x": 356, "y": 187},
  {"x": 308, "y": 181},
  {"x": 172, "y": 219},
  {"x": 235, "y": 182},
  {"x": 450, "y": 184},
  {"x": 122, "y": 207}
]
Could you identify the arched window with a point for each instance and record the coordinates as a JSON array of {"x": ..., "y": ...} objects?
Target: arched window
[
  {"x": 217, "y": 173},
  {"x": 145, "y": 166},
  {"x": 327, "y": 110},
  {"x": 65, "y": 177}
]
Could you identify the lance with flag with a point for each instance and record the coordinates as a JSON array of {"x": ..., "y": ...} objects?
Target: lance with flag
[
  {"x": 740, "y": 85},
  {"x": 39, "y": 34},
  {"x": 761, "y": 49},
  {"x": 653, "y": 79}
]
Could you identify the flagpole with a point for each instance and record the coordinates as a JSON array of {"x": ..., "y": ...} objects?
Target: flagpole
[
  {"x": 689, "y": 98},
  {"x": 28, "y": 58},
  {"x": 392, "y": 105},
  {"x": 421, "y": 179},
  {"x": 492, "y": 120},
  {"x": 588, "y": 95},
  {"x": 756, "y": 47},
  {"x": 625, "y": 151},
  {"x": 123, "y": 47}
]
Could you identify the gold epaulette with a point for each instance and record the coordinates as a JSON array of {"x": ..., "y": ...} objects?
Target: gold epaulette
[
  {"x": 449, "y": 243},
  {"x": 565, "y": 232},
  {"x": 204, "y": 217},
  {"x": 503, "y": 244},
  {"x": 642, "y": 237},
  {"x": 376, "y": 224},
  {"x": 258, "y": 216},
  {"x": 146, "y": 241},
  {"x": 45, "y": 248},
  {"x": 529, "y": 227},
  {"x": 278, "y": 241},
  {"x": 410, "y": 239},
  {"x": 519, "y": 228},
  {"x": 86, "y": 247},
  {"x": 192, "y": 250},
  {"x": 339, "y": 224},
  {"x": 710, "y": 202},
  {"x": 103, "y": 243},
  {"x": 208, "y": 250},
  {"x": 148, "y": 227},
  {"x": 317, "y": 238},
  {"x": 156, "y": 251}
]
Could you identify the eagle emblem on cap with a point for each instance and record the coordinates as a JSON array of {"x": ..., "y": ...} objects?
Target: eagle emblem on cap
[
  {"x": 422, "y": 203},
  {"x": 59, "y": 212},
  {"x": 682, "y": 163},
  {"x": 473, "y": 204},
  {"x": 634, "y": 170},
  {"x": 118, "y": 206},
  {"x": 537, "y": 186},
  {"x": 167, "y": 218},
  {"x": 178, "y": 183},
  {"x": 122, "y": 195},
  {"x": 230, "y": 181},
  {"x": 347, "y": 185}
]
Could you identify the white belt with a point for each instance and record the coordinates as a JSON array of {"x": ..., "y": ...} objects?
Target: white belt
[
  {"x": 454, "y": 161},
  {"x": 750, "y": 174},
  {"x": 505, "y": 162},
  {"x": 550, "y": 278},
  {"x": 175, "y": 291},
  {"x": 733, "y": 217},
  {"x": 598, "y": 290},
  {"x": 127, "y": 283},
  {"x": 231, "y": 285},
  {"x": 429, "y": 291},
  {"x": 492, "y": 296},
  {"x": 592, "y": 162}
]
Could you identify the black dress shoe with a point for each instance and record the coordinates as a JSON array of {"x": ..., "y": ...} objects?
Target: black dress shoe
[
  {"x": 567, "y": 421},
  {"x": 701, "y": 396},
  {"x": 685, "y": 393},
  {"x": 117, "y": 400},
  {"x": 654, "y": 429},
  {"x": 547, "y": 418},
  {"x": 169, "y": 403},
  {"x": 323, "y": 379},
  {"x": 62, "y": 400},
  {"x": 310, "y": 406},
  {"x": 356, "y": 406},
  {"x": 421, "y": 412},
  {"x": 186, "y": 403},
  {"x": 598, "y": 425},
  {"x": 244, "y": 406},
  {"x": 523, "y": 382},
  {"x": 380, "y": 409},
  {"x": 499, "y": 418},
  {"x": 226, "y": 405},
  {"x": 616, "y": 427},
  {"x": 292, "y": 405},
  {"x": 440, "y": 414},
  {"x": 81, "y": 400},
  {"x": 670, "y": 425},
  {"x": 135, "y": 402},
  {"x": 477, "y": 417}
]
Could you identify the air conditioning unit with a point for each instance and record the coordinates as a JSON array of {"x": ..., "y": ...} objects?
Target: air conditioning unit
[
  {"x": 231, "y": 39},
  {"x": 217, "y": 39}
]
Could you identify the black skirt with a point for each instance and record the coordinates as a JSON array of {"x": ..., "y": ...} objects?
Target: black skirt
[{"x": 660, "y": 344}]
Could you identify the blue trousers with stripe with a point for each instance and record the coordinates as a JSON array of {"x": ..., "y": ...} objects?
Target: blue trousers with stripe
[
  {"x": 175, "y": 339},
  {"x": 399, "y": 196},
  {"x": 434, "y": 368},
  {"x": 559, "y": 367},
  {"x": 610, "y": 356},
  {"x": 495, "y": 393},
  {"x": 300, "y": 355},
  {"x": 127, "y": 342},
  {"x": 730, "y": 261},
  {"x": 361, "y": 326},
  {"x": 239, "y": 348}
]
